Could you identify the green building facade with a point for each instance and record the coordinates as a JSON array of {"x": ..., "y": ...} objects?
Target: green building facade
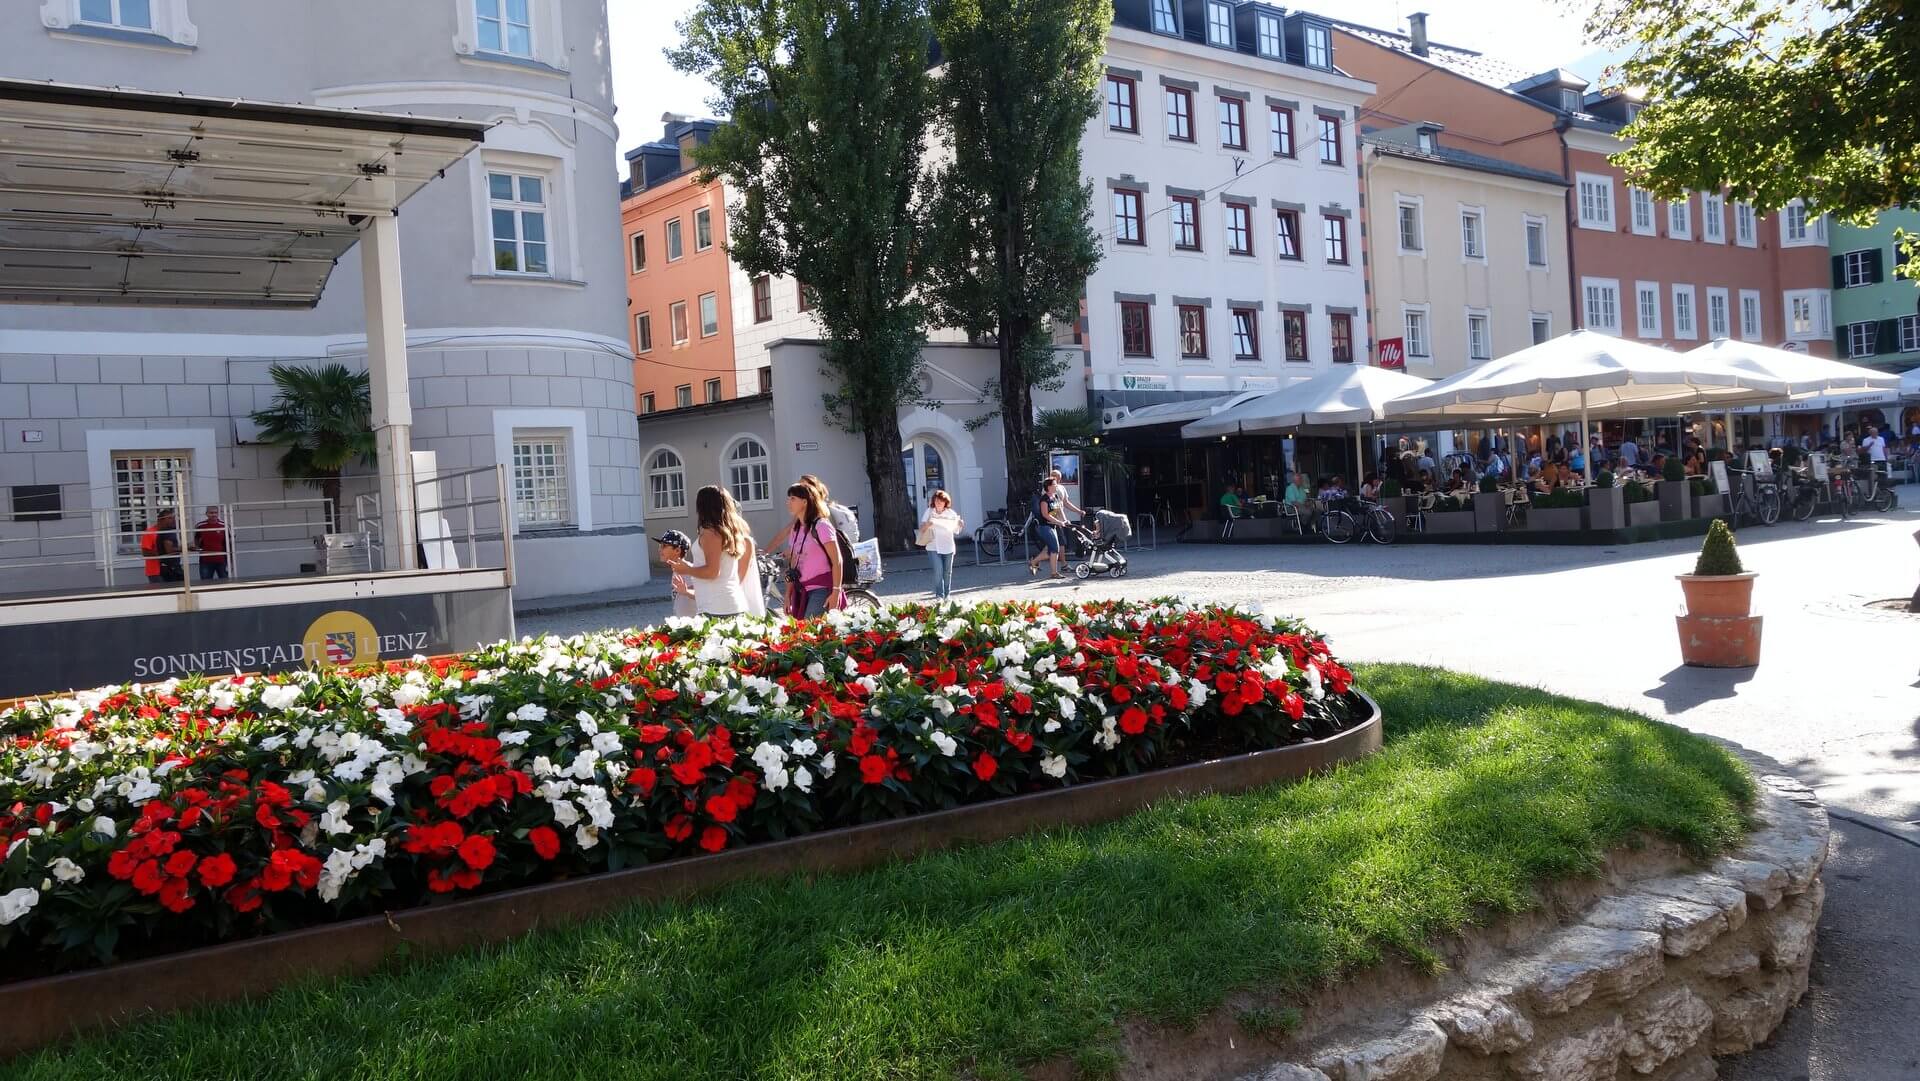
[{"x": 1876, "y": 312}]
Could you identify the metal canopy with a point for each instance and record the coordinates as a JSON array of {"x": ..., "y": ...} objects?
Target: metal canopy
[{"x": 120, "y": 197}]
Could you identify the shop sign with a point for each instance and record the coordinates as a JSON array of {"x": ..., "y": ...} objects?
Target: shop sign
[
  {"x": 1391, "y": 353},
  {"x": 1145, "y": 382}
]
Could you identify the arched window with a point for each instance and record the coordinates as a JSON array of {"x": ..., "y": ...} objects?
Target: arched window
[
  {"x": 748, "y": 474},
  {"x": 666, "y": 481}
]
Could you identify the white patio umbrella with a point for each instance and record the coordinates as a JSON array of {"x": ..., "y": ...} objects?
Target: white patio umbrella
[
  {"x": 1347, "y": 396},
  {"x": 1910, "y": 384},
  {"x": 1805, "y": 375},
  {"x": 1586, "y": 374}
]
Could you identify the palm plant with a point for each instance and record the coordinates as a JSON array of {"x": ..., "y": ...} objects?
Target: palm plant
[{"x": 323, "y": 418}]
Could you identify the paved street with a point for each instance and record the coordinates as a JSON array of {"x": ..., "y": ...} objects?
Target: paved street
[{"x": 1835, "y": 702}]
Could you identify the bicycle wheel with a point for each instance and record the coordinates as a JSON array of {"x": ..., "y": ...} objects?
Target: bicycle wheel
[
  {"x": 1338, "y": 526},
  {"x": 990, "y": 541},
  {"x": 1882, "y": 501},
  {"x": 1380, "y": 527},
  {"x": 1803, "y": 504},
  {"x": 1769, "y": 507},
  {"x": 861, "y": 598}
]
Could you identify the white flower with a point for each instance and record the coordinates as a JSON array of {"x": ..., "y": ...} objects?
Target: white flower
[
  {"x": 1053, "y": 765},
  {"x": 586, "y": 836},
  {"x": 769, "y": 757},
  {"x": 588, "y": 726},
  {"x": 817, "y": 672},
  {"x": 947, "y": 744},
  {"x": 334, "y": 820},
  {"x": 409, "y": 693},
  {"x": 15, "y": 904},
  {"x": 84, "y": 806},
  {"x": 66, "y": 870},
  {"x": 531, "y": 713},
  {"x": 607, "y": 743},
  {"x": 803, "y": 779},
  {"x": 279, "y": 696},
  {"x": 394, "y": 722},
  {"x": 514, "y": 738},
  {"x": 826, "y": 764},
  {"x": 564, "y": 812},
  {"x": 104, "y": 826},
  {"x": 803, "y": 748},
  {"x": 776, "y": 778}
]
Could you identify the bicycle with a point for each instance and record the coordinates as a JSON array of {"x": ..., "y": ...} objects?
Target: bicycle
[
  {"x": 1373, "y": 522},
  {"x": 1753, "y": 499},
  {"x": 773, "y": 579}
]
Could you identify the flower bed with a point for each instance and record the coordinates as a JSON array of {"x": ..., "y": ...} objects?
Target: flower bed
[{"x": 143, "y": 819}]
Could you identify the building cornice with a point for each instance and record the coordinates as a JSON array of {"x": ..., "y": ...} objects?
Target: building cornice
[
  {"x": 1210, "y": 62},
  {"x": 521, "y": 101}
]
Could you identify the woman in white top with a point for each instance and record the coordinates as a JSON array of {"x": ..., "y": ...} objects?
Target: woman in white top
[
  {"x": 726, "y": 581},
  {"x": 939, "y": 525}
]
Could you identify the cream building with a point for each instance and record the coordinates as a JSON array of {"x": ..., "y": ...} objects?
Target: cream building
[{"x": 1467, "y": 254}]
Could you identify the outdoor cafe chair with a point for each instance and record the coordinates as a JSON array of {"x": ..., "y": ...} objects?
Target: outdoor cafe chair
[{"x": 1233, "y": 516}]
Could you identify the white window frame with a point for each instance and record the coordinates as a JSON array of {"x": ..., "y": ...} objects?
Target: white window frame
[
  {"x": 1536, "y": 320},
  {"x": 169, "y": 17},
  {"x": 1863, "y": 338},
  {"x": 1644, "y": 327},
  {"x": 1713, "y": 219},
  {"x": 546, "y": 475},
  {"x": 709, "y": 302},
  {"x": 1419, "y": 344},
  {"x": 675, "y": 232},
  {"x": 1812, "y": 230},
  {"x": 1680, "y": 211},
  {"x": 711, "y": 391},
  {"x": 521, "y": 211},
  {"x": 104, "y": 444},
  {"x": 637, "y": 252},
  {"x": 1485, "y": 346},
  {"x": 1219, "y": 18},
  {"x": 1641, "y": 205},
  {"x": 1338, "y": 143},
  {"x": 1477, "y": 237},
  {"x": 1569, "y": 100},
  {"x": 702, "y": 217},
  {"x": 1819, "y": 314},
  {"x": 1745, "y": 225},
  {"x": 500, "y": 14},
  {"x": 1909, "y": 334},
  {"x": 530, "y": 148},
  {"x": 1529, "y": 223},
  {"x": 1752, "y": 320},
  {"x": 1602, "y": 204},
  {"x": 1860, "y": 259},
  {"x": 570, "y": 423},
  {"x": 1725, "y": 329},
  {"x": 549, "y": 44},
  {"x": 1605, "y": 285},
  {"x": 679, "y": 329},
  {"x": 683, "y": 396},
  {"x": 758, "y": 472},
  {"x": 1402, "y": 204},
  {"x": 1686, "y": 317},
  {"x": 643, "y": 333},
  {"x": 1268, "y": 32},
  {"x": 648, "y": 403},
  {"x": 662, "y": 498}
]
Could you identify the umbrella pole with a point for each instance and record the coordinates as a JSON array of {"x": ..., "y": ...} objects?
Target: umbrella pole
[
  {"x": 1359, "y": 459},
  {"x": 1586, "y": 437}
]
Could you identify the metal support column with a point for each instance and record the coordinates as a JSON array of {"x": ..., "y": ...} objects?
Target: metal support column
[{"x": 392, "y": 405}]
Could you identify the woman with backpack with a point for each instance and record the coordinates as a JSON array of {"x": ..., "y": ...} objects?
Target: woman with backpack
[{"x": 816, "y": 571}]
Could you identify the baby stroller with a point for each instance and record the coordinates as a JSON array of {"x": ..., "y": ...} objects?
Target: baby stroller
[{"x": 1103, "y": 545}]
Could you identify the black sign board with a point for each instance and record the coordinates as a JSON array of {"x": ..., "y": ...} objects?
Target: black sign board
[{"x": 53, "y": 657}]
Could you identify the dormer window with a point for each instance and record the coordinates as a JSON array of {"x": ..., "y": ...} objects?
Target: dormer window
[
  {"x": 1569, "y": 100},
  {"x": 1164, "y": 20},
  {"x": 1219, "y": 24},
  {"x": 1633, "y": 110},
  {"x": 1271, "y": 45},
  {"x": 1427, "y": 141},
  {"x": 1319, "y": 46}
]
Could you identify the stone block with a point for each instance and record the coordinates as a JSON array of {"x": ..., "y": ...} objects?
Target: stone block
[
  {"x": 1411, "y": 1054},
  {"x": 1750, "y": 1015},
  {"x": 564, "y": 391},
  {"x": 442, "y": 393},
  {"x": 189, "y": 400},
  {"x": 1287, "y": 1071},
  {"x": 143, "y": 401},
  {"x": 1591, "y": 1055},
  {"x": 1584, "y": 962},
  {"x": 13, "y": 401},
  {"x": 77, "y": 369},
  {"x": 1484, "y": 1023},
  {"x": 489, "y": 390},
  {"x": 163, "y": 370},
  {"x": 465, "y": 362},
  {"x": 209, "y": 370},
  {"x": 120, "y": 369},
  {"x": 470, "y": 421},
  {"x": 529, "y": 390},
  {"x": 506, "y": 362},
  {"x": 51, "y": 401},
  {"x": 1685, "y": 928},
  {"x": 1787, "y": 940},
  {"x": 30, "y": 368},
  {"x": 1665, "y": 1028},
  {"x": 546, "y": 362},
  {"x": 1764, "y": 882},
  {"x": 1705, "y": 890},
  {"x": 580, "y": 364},
  {"x": 1729, "y": 964}
]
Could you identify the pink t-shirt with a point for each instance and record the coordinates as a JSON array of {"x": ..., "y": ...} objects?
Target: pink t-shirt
[{"x": 810, "y": 554}]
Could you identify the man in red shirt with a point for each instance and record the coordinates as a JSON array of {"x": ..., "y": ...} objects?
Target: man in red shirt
[{"x": 210, "y": 540}]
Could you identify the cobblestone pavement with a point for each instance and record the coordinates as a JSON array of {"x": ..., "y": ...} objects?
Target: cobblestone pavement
[{"x": 1835, "y": 701}]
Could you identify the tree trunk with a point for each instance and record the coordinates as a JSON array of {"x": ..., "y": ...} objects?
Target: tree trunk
[
  {"x": 1016, "y": 420},
  {"x": 330, "y": 492},
  {"x": 893, "y": 513}
]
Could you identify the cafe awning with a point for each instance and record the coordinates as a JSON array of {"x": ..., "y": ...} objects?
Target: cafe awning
[{"x": 126, "y": 197}]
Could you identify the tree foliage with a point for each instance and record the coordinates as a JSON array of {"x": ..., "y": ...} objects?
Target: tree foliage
[
  {"x": 828, "y": 104},
  {"x": 1773, "y": 99},
  {"x": 1012, "y": 244},
  {"x": 323, "y": 419}
]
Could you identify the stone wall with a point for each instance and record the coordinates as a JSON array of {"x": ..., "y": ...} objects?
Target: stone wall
[{"x": 1651, "y": 981}]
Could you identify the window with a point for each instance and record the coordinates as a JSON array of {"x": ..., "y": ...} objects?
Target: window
[
  {"x": 1319, "y": 45},
  {"x": 1239, "y": 229},
  {"x": 1410, "y": 237},
  {"x": 1426, "y": 142},
  {"x": 1899, "y": 253},
  {"x": 1601, "y": 311},
  {"x": 1683, "y": 322},
  {"x": 1164, "y": 20},
  {"x": 36, "y": 502},
  {"x": 1596, "y": 201},
  {"x": 1536, "y": 242},
  {"x": 1646, "y": 306},
  {"x": 1280, "y": 129},
  {"x": 1797, "y": 229},
  {"x": 1859, "y": 268},
  {"x": 1642, "y": 204},
  {"x": 643, "y": 332},
  {"x": 1136, "y": 329},
  {"x": 1569, "y": 100},
  {"x": 1286, "y": 233},
  {"x": 1120, "y": 115},
  {"x": 1910, "y": 333},
  {"x": 1233, "y": 123},
  {"x": 1179, "y": 114},
  {"x": 666, "y": 481},
  {"x": 646, "y": 403},
  {"x": 1335, "y": 233},
  {"x": 504, "y": 26},
  {"x": 1127, "y": 226},
  {"x": 1713, "y": 219},
  {"x": 1219, "y": 24},
  {"x": 1340, "y": 324},
  {"x": 1680, "y": 218},
  {"x": 1743, "y": 224},
  {"x": 702, "y": 229},
  {"x": 802, "y": 296},
  {"x": 1246, "y": 334},
  {"x": 1542, "y": 327},
  {"x": 1472, "y": 245},
  {"x": 1416, "y": 333},
  {"x": 1193, "y": 331},
  {"x": 673, "y": 240},
  {"x": 1860, "y": 338},
  {"x": 766, "y": 380},
  {"x": 713, "y": 390},
  {"x": 1718, "y": 317},
  {"x": 125, "y": 14},
  {"x": 542, "y": 492},
  {"x": 145, "y": 484},
  {"x": 1750, "y": 315},
  {"x": 1330, "y": 140},
  {"x": 519, "y": 209},
  {"x": 1270, "y": 42},
  {"x": 683, "y": 396},
  {"x": 709, "y": 315},
  {"x": 1479, "y": 337},
  {"x": 1807, "y": 313},
  {"x": 762, "y": 299},
  {"x": 677, "y": 317},
  {"x": 1293, "y": 330},
  {"x": 749, "y": 473},
  {"x": 1186, "y": 222},
  {"x": 639, "y": 244}
]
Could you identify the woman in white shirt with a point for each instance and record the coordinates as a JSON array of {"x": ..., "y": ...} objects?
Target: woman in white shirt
[
  {"x": 939, "y": 525},
  {"x": 726, "y": 581}
]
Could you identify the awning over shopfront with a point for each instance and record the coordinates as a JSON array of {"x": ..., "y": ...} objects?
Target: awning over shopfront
[
  {"x": 123, "y": 197},
  {"x": 1337, "y": 398},
  {"x": 1803, "y": 374},
  {"x": 1175, "y": 412}
]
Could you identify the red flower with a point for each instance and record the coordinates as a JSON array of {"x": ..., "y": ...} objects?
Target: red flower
[
  {"x": 721, "y": 808},
  {"x": 984, "y": 766},
  {"x": 741, "y": 790},
  {"x": 173, "y": 896},
  {"x": 1295, "y": 705},
  {"x": 1122, "y": 694},
  {"x": 1133, "y": 720},
  {"x": 1021, "y": 741},
  {"x": 713, "y": 838},
  {"x": 439, "y": 839},
  {"x": 546, "y": 843},
  {"x": 861, "y": 741},
  {"x": 687, "y": 773},
  {"x": 477, "y": 852},
  {"x": 441, "y": 785},
  {"x": 873, "y": 769},
  {"x": 1178, "y": 696},
  {"x": 217, "y": 871},
  {"x": 264, "y": 815},
  {"x": 122, "y": 864},
  {"x": 678, "y": 828},
  {"x": 246, "y": 896},
  {"x": 653, "y": 733},
  {"x": 643, "y": 778},
  {"x": 147, "y": 877},
  {"x": 180, "y": 863}
]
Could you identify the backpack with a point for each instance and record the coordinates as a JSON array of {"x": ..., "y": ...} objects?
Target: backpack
[
  {"x": 849, "y": 566},
  {"x": 844, "y": 521}
]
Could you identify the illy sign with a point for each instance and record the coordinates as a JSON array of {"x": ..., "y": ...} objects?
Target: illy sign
[{"x": 1392, "y": 353}]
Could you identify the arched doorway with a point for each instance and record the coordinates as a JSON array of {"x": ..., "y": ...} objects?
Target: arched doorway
[{"x": 926, "y": 462}]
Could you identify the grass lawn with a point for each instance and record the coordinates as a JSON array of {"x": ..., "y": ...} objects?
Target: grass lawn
[{"x": 985, "y": 959}]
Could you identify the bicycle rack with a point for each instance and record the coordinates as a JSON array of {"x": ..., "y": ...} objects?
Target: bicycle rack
[{"x": 1140, "y": 533}]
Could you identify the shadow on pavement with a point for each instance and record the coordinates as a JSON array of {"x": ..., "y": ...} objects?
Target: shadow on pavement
[{"x": 1684, "y": 688}]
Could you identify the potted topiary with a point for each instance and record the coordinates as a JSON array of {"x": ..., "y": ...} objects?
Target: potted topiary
[
  {"x": 1489, "y": 506},
  {"x": 1555, "y": 512},
  {"x": 1643, "y": 507},
  {"x": 1606, "y": 509},
  {"x": 1719, "y": 629},
  {"x": 1675, "y": 501},
  {"x": 1449, "y": 515},
  {"x": 1707, "y": 502}
]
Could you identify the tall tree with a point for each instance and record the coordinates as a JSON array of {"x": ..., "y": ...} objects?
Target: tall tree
[
  {"x": 828, "y": 103},
  {"x": 1774, "y": 99},
  {"x": 1012, "y": 243},
  {"x": 323, "y": 418}
]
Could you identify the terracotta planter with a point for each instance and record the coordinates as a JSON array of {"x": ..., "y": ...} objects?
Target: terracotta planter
[
  {"x": 1718, "y": 594},
  {"x": 1718, "y": 630}
]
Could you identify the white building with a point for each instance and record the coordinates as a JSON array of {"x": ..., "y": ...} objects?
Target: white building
[
  {"x": 1228, "y": 199},
  {"x": 512, "y": 265}
]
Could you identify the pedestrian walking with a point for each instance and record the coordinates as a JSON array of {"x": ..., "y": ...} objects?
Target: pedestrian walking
[
  {"x": 816, "y": 572},
  {"x": 1049, "y": 519},
  {"x": 939, "y": 525},
  {"x": 727, "y": 577}
]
